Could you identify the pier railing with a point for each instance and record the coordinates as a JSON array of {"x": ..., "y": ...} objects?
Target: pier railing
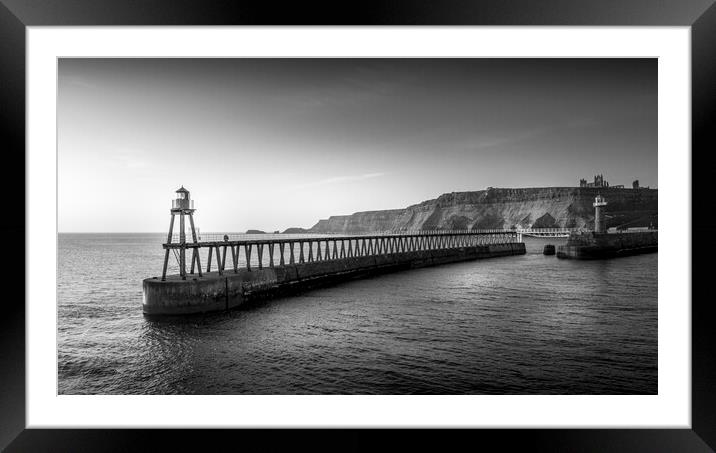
[
  {"x": 220, "y": 237},
  {"x": 280, "y": 251},
  {"x": 549, "y": 232}
]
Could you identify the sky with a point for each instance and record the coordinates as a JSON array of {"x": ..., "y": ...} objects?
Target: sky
[{"x": 275, "y": 143}]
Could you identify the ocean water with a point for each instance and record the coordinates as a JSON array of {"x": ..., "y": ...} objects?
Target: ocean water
[{"x": 530, "y": 324}]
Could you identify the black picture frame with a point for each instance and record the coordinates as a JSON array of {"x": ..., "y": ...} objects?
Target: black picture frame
[{"x": 700, "y": 15}]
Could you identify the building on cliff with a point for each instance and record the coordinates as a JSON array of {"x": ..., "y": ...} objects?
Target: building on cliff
[{"x": 598, "y": 182}]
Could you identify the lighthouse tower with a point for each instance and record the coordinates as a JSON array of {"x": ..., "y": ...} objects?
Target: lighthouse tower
[
  {"x": 182, "y": 206},
  {"x": 600, "y": 220}
]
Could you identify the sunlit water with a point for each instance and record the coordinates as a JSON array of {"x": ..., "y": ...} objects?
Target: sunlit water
[{"x": 512, "y": 325}]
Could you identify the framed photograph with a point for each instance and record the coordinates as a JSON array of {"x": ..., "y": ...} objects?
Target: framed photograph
[{"x": 452, "y": 224}]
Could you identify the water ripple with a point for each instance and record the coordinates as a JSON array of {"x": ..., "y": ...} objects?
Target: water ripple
[{"x": 519, "y": 325}]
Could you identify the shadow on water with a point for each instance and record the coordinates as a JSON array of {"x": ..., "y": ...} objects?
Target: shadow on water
[
  {"x": 194, "y": 319},
  {"x": 603, "y": 270}
]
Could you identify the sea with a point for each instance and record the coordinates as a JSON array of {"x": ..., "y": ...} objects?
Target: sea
[{"x": 530, "y": 324}]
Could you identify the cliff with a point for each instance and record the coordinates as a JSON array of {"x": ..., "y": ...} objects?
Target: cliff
[
  {"x": 295, "y": 230},
  {"x": 548, "y": 207}
]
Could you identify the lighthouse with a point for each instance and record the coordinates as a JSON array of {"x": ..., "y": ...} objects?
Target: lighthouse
[
  {"x": 599, "y": 217},
  {"x": 182, "y": 206}
]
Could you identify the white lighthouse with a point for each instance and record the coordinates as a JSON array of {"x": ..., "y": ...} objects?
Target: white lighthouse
[
  {"x": 600, "y": 220},
  {"x": 182, "y": 206}
]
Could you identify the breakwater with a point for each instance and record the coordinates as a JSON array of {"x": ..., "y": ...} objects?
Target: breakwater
[
  {"x": 294, "y": 265},
  {"x": 591, "y": 245}
]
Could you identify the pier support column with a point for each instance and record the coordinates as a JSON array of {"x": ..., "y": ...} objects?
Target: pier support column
[
  {"x": 164, "y": 269},
  {"x": 195, "y": 251},
  {"x": 247, "y": 249},
  {"x": 182, "y": 249},
  {"x": 169, "y": 241},
  {"x": 235, "y": 257},
  {"x": 198, "y": 262},
  {"x": 171, "y": 229},
  {"x": 218, "y": 261}
]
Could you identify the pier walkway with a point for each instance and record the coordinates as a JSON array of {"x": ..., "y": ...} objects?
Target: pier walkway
[
  {"x": 548, "y": 232},
  {"x": 238, "y": 271},
  {"x": 225, "y": 253}
]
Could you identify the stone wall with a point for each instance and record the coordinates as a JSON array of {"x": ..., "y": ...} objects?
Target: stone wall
[
  {"x": 214, "y": 292},
  {"x": 607, "y": 245}
]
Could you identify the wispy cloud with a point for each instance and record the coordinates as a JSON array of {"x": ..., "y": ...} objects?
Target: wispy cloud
[
  {"x": 339, "y": 179},
  {"x": 522, "y": 136},
  {"x": 515, "y": 138},
  {"x": 368, "y": 83}
]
